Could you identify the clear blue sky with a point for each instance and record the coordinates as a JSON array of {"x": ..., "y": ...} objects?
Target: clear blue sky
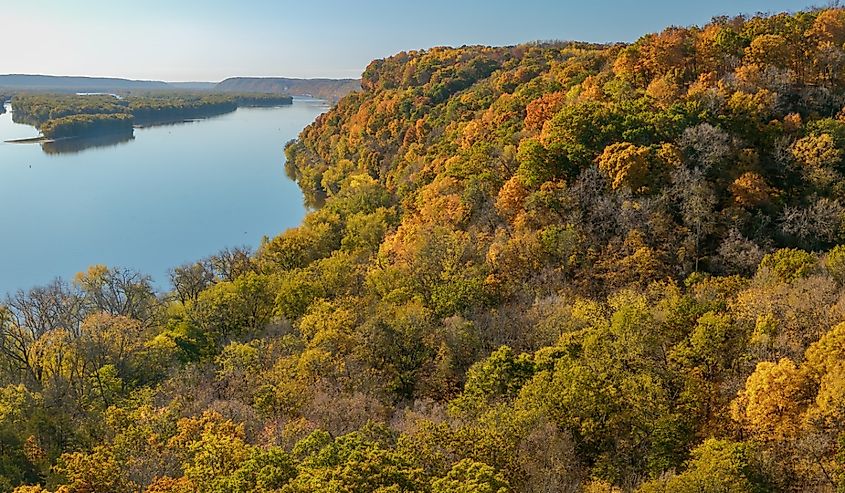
[{"x": 210, "y": 40}]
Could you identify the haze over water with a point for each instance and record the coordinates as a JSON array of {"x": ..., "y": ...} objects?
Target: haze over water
[{"x": 171, "y": 195}]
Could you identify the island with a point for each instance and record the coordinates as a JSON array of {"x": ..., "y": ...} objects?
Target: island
[{"x": 63, "y": 116}]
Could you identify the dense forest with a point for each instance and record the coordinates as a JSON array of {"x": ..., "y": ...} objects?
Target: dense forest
[
  {"x": 62, "y": 115},
  {"x": 553, "y": 267}
]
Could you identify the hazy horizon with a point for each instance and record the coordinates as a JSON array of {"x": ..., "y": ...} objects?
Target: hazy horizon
[
  {"x": 147, "y": 79},
  {"x": 213, "y": 40}
]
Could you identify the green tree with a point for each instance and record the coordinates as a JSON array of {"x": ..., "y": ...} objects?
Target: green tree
[{"x": 468, "y": 476}]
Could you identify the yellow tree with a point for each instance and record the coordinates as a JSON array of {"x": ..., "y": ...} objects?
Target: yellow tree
[
  {"x": 769, "y": 49},
  {"x": 626, "y": 164},
  {"x": 773, "y": 401},
  {"x": 817, "y": 151},
  {"x": 751, "y": 190},
  {"x": 829, "y": 27},
  {"x": 511, "y": 197},
  {"x": 666, "y": 52}
]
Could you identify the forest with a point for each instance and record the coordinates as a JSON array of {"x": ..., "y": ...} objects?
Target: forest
[
  {"x": 64, "y": 115},
  {"x": 551, "y": 267}
]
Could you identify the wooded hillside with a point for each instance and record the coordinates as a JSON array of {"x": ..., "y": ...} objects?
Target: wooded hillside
[{"x": 549, "y": 267}]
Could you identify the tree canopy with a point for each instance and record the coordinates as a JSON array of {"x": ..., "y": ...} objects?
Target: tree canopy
[{"x": 547, "y": 267}]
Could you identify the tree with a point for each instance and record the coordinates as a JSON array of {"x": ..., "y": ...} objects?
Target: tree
[
  {"x": 717, "y": 466},
  {"x": 788, "y": 264},
  {"x": 214, "y": 458},
  {"x": 230, "y": 263},
  {"x": 228, "y": 309},
  {"x": 43, "y": 309},
  {"x": 97, "y": 472},
  {"x": 579, "y": 133},
  {"x": 751, "y": 190},
  {"x": 829, "y": 27},
  {"x": 769, "y": 49},
  {"x": 697, "y": 201},
  {"x": 19, "y": 412},
  {"x": 190, "y": 280},
  {"x": 468, "y": 476},
  {"x": 497, "y": 378},
  {"x": 356, "y": 461},
  {"x": 739, "y": 254},
  {"x": 817, "y": 151},
  {"x": 264, "y": 471},
  {"x": 712, "y": 346},
  {"x": 773, "y": 400},
  {"x": 835, "y": 263},
  {"x": 117, "y": 292},
  {"x": 627, "y": 165},
  {"x": 665, "y": 52},
  {"x": 706, "y": 145},
  {"x": 109, "y": 339}
]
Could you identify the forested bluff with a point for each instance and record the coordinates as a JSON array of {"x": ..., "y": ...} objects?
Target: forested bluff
[{"x": 552, "y": 267}]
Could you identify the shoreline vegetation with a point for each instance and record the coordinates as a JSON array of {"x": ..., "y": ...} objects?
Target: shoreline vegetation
[{"x": 62, "y": 116}]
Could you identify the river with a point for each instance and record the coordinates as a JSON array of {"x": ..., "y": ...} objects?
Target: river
[{"x": 170, "y": 195}]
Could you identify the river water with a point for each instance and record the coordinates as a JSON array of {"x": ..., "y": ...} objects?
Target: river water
[{"x": 170, "y": 195}]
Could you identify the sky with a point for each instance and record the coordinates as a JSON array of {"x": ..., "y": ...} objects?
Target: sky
[{"x": 210, "y": 40}]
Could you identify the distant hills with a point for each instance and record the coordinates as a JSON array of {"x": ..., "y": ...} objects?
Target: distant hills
[
  {"x": 329, "y": 89},
  {"x": 91, "y": 84},
  {"x": 193, "y": 86}
]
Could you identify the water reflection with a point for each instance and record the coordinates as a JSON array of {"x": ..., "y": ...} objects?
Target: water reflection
[
  {"x": 168, "y": 121},
  {"x": 75, "y": 146}
]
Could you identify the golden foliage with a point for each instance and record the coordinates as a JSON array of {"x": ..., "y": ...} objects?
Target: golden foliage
[
  {"x": 773, "y": 400},
  {"x": 751, "y": 190},
  {"x": 817, "y": 151},
  {"x": 626, "y": 164}
]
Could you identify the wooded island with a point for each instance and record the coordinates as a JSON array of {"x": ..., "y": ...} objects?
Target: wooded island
[{"x": 66, "y": 115}]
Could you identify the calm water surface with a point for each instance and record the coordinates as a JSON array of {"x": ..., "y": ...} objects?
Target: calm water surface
[{"x": 172, "y": 194}]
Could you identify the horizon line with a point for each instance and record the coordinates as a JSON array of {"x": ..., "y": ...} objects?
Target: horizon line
[{"x": 193, "y": 81}]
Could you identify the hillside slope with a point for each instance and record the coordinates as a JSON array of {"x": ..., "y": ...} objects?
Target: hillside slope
[{"x": 548, "y": 267}]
